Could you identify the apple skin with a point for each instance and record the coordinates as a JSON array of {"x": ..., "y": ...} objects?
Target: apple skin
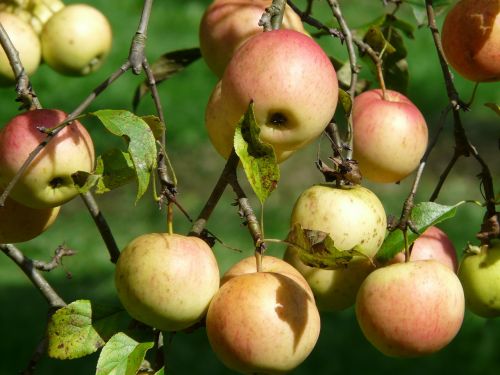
[
  {"x": 471, "y": 39},
  {"x": 27, "y": 44},
  {"x": 167, "y": 280},
  {"x": 19, "y": 223},
  {"x": 352, "y": 216},
  {"x": 390, "y": 135},
  {"x": 293, "y": 102},
  {"x": 228, "y": 24},
  {"x": 410, "y": 309},
  {"x": 432, "y": 244},
  {"x": 76, "y": 40},
  {"x": 47, "y": 181},
  {"x": 480, "y": 277},
  {"x": 262, "y": 322}
]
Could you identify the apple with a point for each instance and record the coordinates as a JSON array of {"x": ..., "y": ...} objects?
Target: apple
[
  {"x": 351, "y": 216},
  {"x": 390, "y": 135},
  {"x": 41, "y": 11},
  {"x": 410, "y": 309},
  {"x": 167, "y": 280},
  {"x": 432, "y": 244},
  {"x": 262, "y": 322},
  {"x": 269, "y": 264},
  {"x": 76, "y": 40},
  {"x": 27, "y": 44},
  {"x": 293, "y": 102},
  {"x": 228, "y": 24},
  {"x": 480, "y": 276},
  {"x": 47, "y": 181},
  {"x": 19, "y": 223},
  {"x": 471, "y": 39}
]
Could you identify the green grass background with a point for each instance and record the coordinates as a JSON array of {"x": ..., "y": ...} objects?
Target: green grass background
[{"x": 341, "y": 347}]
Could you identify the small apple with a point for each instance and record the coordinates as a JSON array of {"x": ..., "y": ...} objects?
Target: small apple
[
  {"x": 19, "y": 223},
  {"x": 471, "y": 39},
  {"x": 410, "y": 309},
  {"x": 47, "y": 181},
  {"x": 262, "y": 322},
  {"x": 27, "y": 44},
  {"x": 351, "y": 216},
  {"x": 293, "y": 102},
  {"x": 76, "y": 40},
  {"x": 41, "y": 11},
  {"x": 432, "y": 244},
  {"x": 167, "y": 280},
  {"x": 390, "y": 135},
  {"x": 227, "y": 24},
  {"x": 480, "y": 276}
]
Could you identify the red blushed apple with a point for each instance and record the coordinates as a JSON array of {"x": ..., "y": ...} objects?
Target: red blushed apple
[
  {"x": 471, "y": 39},
  {"x": 390, "y": 135},
  {"x": 293, "y": 101},
  {"x": 227, "y": 24},
  {"x": 19, "y": 223},
  {"x": 262, "y": 322},
  {"x": 47, "y": 181},
  {"x": 410, "y": 309},
  {"x": 432, "y": 244}
]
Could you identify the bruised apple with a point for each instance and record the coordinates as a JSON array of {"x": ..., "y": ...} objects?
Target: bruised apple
[
  {"x": 262, "y": 322},
  {"x": 293, "y": 101},
  {"x": 227, "y": 24},
  {"x": 390, "y": 135},
  {"x": 167, "y": 280},
  {"x": 410, "y": 309},
  {"x": 471, "y": 39}
]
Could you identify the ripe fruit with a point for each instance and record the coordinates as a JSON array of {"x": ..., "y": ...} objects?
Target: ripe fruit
[
  {"x": 480, "y": 277},
  {"x": 227, "y": 24},
  {"x": 76, "y": 40},
  {"x": 390, "y": 135},
  {"x": 47, "y": 181},
  {"x": 27, "y": 44},
  {"x": 19, "y": 223},
  {"x": 410, "y": 309},
  {"x": 432, "y": 244},
  {"x": 167, "y": 280},
  {"x": 471, "y": 39},
  {"x": 351, "y": 216},
  {"x": 34, "y": 12},
  {"x": 262, "y": 322},
  {"x": 293, "y": 102}
]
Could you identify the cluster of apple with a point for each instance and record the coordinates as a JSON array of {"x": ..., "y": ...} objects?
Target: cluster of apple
[
  {"x": 34, "y": 202},
  {"x": 73, "y": 40}
]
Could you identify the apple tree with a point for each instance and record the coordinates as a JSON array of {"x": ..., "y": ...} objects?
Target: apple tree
[{"x": 339, "y": 130}]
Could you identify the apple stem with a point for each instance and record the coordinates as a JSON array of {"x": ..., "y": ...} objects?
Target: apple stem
[
  {"x": 272, "y": 18},
  {"x": 170, "y": 217}
]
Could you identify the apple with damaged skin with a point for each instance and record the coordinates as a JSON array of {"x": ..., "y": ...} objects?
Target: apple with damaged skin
[
  {"x": 471, "y": 39},
  {"x": 479, "y": 274},
  {"x": 76, "y": 40},
  {"x": 352, "y": 216},
  {"x": 25, "y": 41},
  {"x": 262, "y": 322},
  {"x": 47, "y": 181},
  {"x": 19, "y": 223},
  {"x": 227, "y": 24},
  {"x": 390, "y": 135},
  {"x": 410, "y": 309},
  {"x": 433, "y": 243},
  {"x": 167, "y": 280},
  {"x": 293, "y": 102}
]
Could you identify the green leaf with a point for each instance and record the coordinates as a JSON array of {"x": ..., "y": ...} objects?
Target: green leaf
[
  {"x": 317, "y": 249},
  {"x": 258, "y": 158},
  {"x": 157, "y": 127},
  {"x": 345, "y": 100},
  {"x": 420, "y": 12},
  {"x": 122, "y": 355},
  {"x": 140, "y": 139},
  {"x": 166, "y": 66},
  {"x": 494, "y": 107},
  {"x": 116, "y": 169},
  {"x": 75, "y": 331},
  {"x": 160, "y": 371},
  {"x": 376, "y": 39},
  {"x": 423, "y": 215}
]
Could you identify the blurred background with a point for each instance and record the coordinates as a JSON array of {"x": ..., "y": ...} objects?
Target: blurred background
[{"x": 341, "y": 347}]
